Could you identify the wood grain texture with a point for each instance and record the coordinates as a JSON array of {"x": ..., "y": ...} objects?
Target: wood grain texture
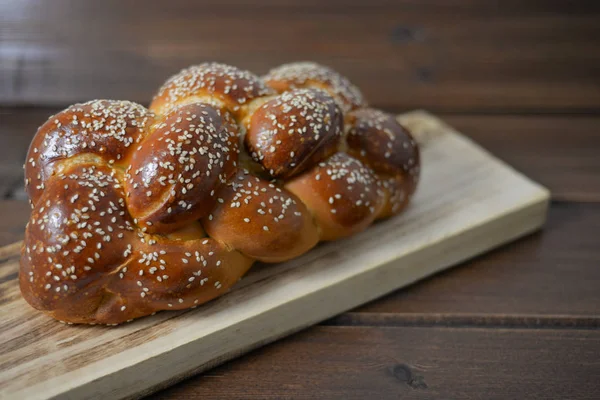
[
  {"x": 464, "y": 320},
  {"x": 558, "y": 151},
  {"x": 409, "y": 363},
  {"x": 461, "y": 55},
  {"x": 462, "y": 209},
  {"x": 561, "y": 152},
  {"x": 554, "y": 273}
]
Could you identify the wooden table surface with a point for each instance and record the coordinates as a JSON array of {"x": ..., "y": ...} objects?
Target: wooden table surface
[{"x": 521, "y": 78}]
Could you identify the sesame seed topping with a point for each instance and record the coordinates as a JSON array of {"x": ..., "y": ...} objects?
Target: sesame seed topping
[
  {"x": 309, "y": 74},
  {"x": 239, "y": 86}
]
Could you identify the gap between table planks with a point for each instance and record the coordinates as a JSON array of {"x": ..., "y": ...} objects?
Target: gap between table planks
[{"x": 468, "y": 202}]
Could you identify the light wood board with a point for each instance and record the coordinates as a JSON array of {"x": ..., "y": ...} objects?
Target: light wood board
[{"x": 468, "y": 202}]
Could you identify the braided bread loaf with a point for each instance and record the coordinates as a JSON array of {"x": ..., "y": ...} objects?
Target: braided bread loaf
[{"x": 138, "y": 210}]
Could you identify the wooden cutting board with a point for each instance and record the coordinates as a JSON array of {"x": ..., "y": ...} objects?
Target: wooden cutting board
[{"x": 468, "y": 202}]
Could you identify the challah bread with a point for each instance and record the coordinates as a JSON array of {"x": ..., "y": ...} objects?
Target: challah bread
[{"x": 138, "y": 210}]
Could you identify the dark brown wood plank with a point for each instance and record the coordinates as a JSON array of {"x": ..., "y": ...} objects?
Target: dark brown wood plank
[
  {"x": 409, "y": 363},
  {"x": 557, "y": 151},
  {"x": 13, "y": 217},
  {"x": 554, "y": 272},
  {"x": 459, "y": 56},
  {"x": 16, "y": 131},
  {"x": 428, "y": 319},
  {"x": 8, "y": 181}
]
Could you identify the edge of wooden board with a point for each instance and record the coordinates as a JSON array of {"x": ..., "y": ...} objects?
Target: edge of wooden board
[{"x": 268, "y": 308}]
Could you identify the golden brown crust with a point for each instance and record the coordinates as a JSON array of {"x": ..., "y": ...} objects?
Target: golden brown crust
[
  {"x": 136, "y": 211},
  {"x": 377, "y": 139},
  {"x": 175, "y": 172},
  {"x": 294, "y": 131},
  {"x": 167, "y": 274},
  {"x": 85, "y": 261},
  {"x": 261, "y": 220},
  {"x": 381, "y": 142},
  {"x": 107, "y": 129},
  {"x": 312, "y": 75},
  {"x": 220, "y": 85},
  {"x": 397, "y": 195},
  {"x": 79, "y": 231},
  {"x": 341, "y": 193}
]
